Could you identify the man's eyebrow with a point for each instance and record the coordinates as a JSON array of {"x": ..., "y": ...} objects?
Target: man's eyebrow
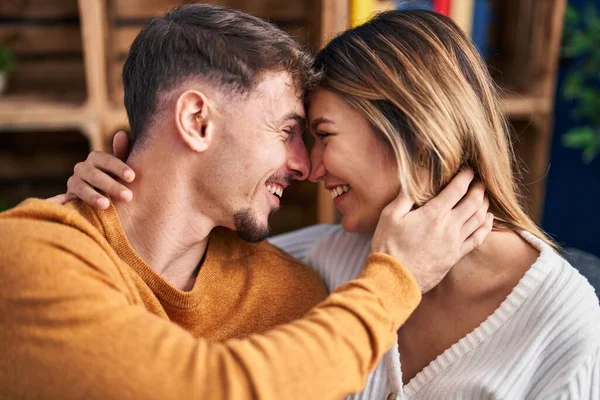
[
  {"x": 319, "y": 121},
  {"x": 297, "y": 117}
]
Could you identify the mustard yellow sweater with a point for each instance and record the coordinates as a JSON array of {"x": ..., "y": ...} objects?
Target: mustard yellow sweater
[{"x": 82, "y": 316}]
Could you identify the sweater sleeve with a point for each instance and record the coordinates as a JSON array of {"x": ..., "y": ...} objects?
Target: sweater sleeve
[{"x": 68, "y": 331}]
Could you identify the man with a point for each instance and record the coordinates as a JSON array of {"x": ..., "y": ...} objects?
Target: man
[{"x": 142, "y": 300}]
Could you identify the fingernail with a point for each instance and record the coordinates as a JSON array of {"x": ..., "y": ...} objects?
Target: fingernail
[
  {"x": 126, "y": 195},
  {"x": 128, "y": 175},
  {"x": 103, "y": 203}
]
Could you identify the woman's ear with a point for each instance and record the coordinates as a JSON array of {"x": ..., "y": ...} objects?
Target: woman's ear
[{"x": 191, "y": 118}]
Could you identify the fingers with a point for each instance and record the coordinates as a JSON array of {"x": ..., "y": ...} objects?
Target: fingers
[
  {"x": 92, "y": 197},
  {"x": 452, "y": 193},
  {"x": 62, "y": 198},
  {"x": 470, "y": 203},
  {"x": 477, "y": 219},
  {"x": 399, "y": 207},
  {"x": 80, "y": 188},
  {"x": 89, "y": 176},
  {"x": 478, "y": 236},
  {"x": 94, "y": 175},
  {"x": 121, "y": 146},
  {"x": 110, "y": 164}
]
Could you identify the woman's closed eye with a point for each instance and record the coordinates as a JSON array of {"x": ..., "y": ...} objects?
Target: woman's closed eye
[{"x": 322, "y": 135}]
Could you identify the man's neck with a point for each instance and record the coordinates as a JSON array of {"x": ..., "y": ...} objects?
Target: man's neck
[{"x": 162, "y": 225}]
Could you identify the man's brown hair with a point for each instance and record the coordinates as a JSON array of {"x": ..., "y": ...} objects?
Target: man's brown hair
[{"x": 219, "y": 45}]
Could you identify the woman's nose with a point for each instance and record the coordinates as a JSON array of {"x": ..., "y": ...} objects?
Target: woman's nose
[{"x": 317, "y": 170}]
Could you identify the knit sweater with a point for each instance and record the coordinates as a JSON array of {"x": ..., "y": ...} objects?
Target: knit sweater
[
  {"x": 542, "y": 342},
  {"x": 82, "y": 316}
]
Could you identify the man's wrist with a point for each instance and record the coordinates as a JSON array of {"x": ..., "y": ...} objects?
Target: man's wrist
[{"x": 396, "y": 285}]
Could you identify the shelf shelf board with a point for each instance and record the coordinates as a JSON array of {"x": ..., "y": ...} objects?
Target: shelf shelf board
[
  {"x": 45, "y": 165},
  {"x": 19, "y": 112},
  {"x": 515, "y": 105}
]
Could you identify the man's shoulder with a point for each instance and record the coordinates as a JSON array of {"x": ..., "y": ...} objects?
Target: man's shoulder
[
  {"x": 36, "y": 224},
  {"x": 37, "y": 212}
]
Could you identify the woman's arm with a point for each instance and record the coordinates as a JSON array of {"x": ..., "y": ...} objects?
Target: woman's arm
[{"x": 99, "y": 175}]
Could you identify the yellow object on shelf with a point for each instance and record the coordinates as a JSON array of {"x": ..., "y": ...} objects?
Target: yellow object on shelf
[
  {"x": 461, "y": 11},
  {"x": 361, "y": 11}
]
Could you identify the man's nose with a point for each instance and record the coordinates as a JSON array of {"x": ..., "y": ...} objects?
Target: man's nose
[
  {"x": 318, "y": 170},
  {"x": 299, "y": 162}
]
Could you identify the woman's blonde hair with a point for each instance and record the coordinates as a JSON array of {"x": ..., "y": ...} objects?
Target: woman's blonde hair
[{"x": 424, "y": 88}]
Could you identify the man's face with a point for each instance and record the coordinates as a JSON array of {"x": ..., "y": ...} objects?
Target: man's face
[{"x": 260, "y": 154}]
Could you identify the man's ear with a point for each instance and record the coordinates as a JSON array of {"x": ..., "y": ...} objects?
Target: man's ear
[{"x": 192, "y": 113}]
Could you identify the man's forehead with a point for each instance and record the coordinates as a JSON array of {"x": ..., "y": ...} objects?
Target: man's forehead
[
  {"x": 278, "y": 84},
  {"x": 277, "y": 99}
]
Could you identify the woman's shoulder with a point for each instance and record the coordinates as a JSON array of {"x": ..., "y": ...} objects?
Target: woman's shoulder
[
  {"x": 299, "y": 243},
  {"x": 563, "y": 316},
  {"x": 558, "y": 278},
  {"x": 336, "y": 255},
  {"x": 562, "y": 297},
  {"x": 339, "y": 256}
]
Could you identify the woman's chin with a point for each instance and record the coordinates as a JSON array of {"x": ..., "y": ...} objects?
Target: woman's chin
[{"x": 355, "y": 225}]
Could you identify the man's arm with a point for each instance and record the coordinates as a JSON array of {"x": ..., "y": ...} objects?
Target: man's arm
[
  {"x": 330, "y": 352},
  {"x": 68, "y": 331}
]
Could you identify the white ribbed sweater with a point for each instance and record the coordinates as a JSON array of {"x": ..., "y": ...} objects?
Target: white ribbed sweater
[{"x": 543, "y": 342}]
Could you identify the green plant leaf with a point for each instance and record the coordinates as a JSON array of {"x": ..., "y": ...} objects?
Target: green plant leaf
[
  {"x": 571, "y": 19},
  {"x": 588, "y": 103},
  {"x": 577, "y": 45},
  {"x": 579, "y": 137},
  {"x": 581, "y": 42},
  {"x": 7, "y": 59},
  {"x": 572, "y": 86},
  {"x": 590, "y": 153},
  {"x": 3, "y": 205},
  {"x": 571, "y": 15},
  {"x": 590, "y": 17}
]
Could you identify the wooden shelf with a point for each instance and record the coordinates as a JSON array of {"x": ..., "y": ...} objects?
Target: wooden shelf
[
  {"x": 89, "y": 39},
  {"x": 517, "y": 105},
  {"x": 18, "y": 112},
  {"x": 17, "y": 168}
]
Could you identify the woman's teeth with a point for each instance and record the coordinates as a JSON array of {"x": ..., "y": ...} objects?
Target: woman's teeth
[
  {"x": 336, "y": 191},
  {"x": 276, "y": 190}
]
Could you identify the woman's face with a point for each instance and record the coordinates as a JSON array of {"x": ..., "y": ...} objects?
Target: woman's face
[{"x": 357, "y": 168}]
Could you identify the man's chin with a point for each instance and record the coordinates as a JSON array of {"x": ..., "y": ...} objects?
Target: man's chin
[{"x": 249, "y": 227}]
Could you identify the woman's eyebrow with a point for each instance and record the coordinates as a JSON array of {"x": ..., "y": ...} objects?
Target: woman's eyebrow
[{"x": 319, "y": 121}]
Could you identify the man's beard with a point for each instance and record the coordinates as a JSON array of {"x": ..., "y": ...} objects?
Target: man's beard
[{"x": 248, "y": 227}]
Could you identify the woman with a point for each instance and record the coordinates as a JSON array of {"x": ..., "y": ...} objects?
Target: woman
[{"x": 403, "y": 103}]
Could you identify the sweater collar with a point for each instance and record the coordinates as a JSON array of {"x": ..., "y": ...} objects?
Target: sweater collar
[{"x": 116, "y": 237}]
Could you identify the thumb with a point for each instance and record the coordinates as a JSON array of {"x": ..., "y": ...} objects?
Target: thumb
[
  {"x": 400, "y": 206},
  {"x": 121, "y": 146}
]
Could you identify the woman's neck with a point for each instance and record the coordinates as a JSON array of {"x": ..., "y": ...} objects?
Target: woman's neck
[{"x": 497, "y": 263}]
